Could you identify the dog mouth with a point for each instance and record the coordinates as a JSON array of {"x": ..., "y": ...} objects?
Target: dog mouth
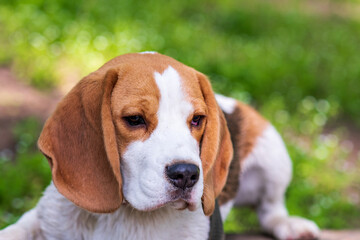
[
  {"x": 182, "y": 199},
  {"x": 181, "y": 204},
  {"x": 178, "y": 200}
]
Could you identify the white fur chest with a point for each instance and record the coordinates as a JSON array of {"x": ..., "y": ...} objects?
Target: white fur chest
[{"x": 61, "y": 219}]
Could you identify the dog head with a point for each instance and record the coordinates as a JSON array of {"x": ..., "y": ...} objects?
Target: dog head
[{"x": 143, "y": 129}]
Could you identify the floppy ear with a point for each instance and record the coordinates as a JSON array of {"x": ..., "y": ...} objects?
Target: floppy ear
[
  {"x": 79, "y": 142},
  {"x": 216, "y": 148}
]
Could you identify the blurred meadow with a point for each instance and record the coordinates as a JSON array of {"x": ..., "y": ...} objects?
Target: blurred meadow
[{"x": 297, "y": 62}]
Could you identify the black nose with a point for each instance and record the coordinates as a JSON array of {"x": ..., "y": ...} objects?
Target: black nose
[{"x": 183, "y": 175}]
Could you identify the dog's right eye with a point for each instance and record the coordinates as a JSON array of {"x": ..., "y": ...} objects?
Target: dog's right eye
[{"x": 135, "y": 120}]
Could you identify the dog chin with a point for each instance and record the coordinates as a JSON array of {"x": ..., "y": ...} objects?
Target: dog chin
[{"x": 181, "y": 204}]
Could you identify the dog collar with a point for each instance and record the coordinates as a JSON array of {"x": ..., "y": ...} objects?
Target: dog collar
[{"x": 216, "y": 224}]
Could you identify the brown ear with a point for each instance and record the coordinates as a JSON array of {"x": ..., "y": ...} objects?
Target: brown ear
[
  {"x": 216, "y": 148},
  {"x": 80, "y": 143}
]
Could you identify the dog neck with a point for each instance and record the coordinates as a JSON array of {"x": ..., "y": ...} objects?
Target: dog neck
[{"x": 124, "y": 223}]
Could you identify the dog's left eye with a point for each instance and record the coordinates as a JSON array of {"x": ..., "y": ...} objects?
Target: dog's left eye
[
  {"x": 196, "y": 120},
  {"x": 135, "y": 120}
]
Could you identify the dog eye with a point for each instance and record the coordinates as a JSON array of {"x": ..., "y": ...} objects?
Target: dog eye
[
  {"x": 196, "y": 120},
  {"x": 135, "y": 120}
]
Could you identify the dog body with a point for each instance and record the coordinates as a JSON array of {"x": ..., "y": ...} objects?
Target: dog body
[{"x": 141, "y": 148}]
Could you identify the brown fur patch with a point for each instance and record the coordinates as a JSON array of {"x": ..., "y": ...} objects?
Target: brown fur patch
[
  {"x": 245, "y": 125},
  {"x": 232, "y": 183}
]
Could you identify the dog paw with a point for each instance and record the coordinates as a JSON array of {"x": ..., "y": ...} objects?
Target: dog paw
[
  {"x": 11, "y": 236},
  {"x": 13, "y": 232},
  {"x": 294, "y": 228}
]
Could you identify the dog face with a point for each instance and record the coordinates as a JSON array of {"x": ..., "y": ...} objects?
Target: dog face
[
  {"x": 163, "y": 128},
  {"x": 144, "y": 128}
]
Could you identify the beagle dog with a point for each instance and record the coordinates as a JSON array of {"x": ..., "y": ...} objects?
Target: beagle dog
[{"x": 142, "y": 147}]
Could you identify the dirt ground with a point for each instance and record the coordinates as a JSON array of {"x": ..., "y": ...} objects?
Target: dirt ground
[{"x": 17, "y": 102}]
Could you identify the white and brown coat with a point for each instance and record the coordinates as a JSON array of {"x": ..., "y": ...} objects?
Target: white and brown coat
[{"x": 113, "y": 139}]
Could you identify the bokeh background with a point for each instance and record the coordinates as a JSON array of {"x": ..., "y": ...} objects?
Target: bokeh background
[{"x": 297, "y": 62}]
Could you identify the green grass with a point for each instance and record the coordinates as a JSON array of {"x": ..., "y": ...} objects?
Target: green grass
[
  {"x": 23, "y": 181},
  {"x": 245, "y": 47},
  {"x": 300, "y": 69}
]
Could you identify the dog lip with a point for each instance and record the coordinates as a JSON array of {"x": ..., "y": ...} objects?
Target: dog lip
[
  {"x": 183, "y": 200},
  {"x": 178, "y": 204},
  {"x": 184, "y": 196},
  {"x": 180, "y": 193},
  {"x": 182, "y": 204}
]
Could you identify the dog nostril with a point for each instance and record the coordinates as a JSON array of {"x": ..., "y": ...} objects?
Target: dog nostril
[
  {"x": 183, "y": 175},
  {"x": 180, "y": 176}
]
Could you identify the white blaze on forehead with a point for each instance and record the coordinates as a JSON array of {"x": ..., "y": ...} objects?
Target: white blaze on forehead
[
  {"x": 172, "y": 98},
  {"x": 148, "y": 52}
]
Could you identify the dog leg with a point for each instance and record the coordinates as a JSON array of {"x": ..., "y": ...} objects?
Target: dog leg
[
  {"x": 26, "y": 228},
  {"x": 274, "y": 217},
  {"x": 276, "y": 174},
  {"x": 266, "y": 174}
]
